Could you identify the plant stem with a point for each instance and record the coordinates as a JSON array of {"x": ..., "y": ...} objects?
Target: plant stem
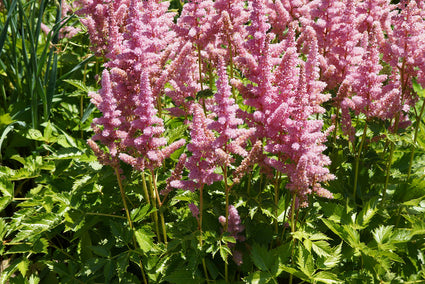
[
  {"x": 130, "y": 223},
  {"x": 390, "y": 159},
  {"x": 153, "y": 203},
  {"x": 415, "y": 137},
  {"x": 161, "y": 213},
  {"x": 231, "y": 67},
  {"x": 227, "y": 191},
  {"x": 127, "y": 212},
  {"x": 145, "y": 189},
  {"x": 200, "y": 67},
  {"x": 397, "y": 120},
  {"x": 201, "y": 209},
  {"x": 356, "y": 171},
  {"x": 276, "y": 202},
  {"x": 103, "y": 214},
  {"x": 292, "y": 231}
]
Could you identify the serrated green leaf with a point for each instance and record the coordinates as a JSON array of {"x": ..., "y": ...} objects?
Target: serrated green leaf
[
  {"x": 100, "y": 251},
  {"x": 321, "y": 248},
  {"x": 4, "y": 201},
  {"x": 175, "y": 132},
  {"x": 414, "y": 202},
  {"x": 66, "y": 154},
  {"x": 23, "y": 266},
  {"x": 326, "y": 277},
  {"x": 40, "y": 246},
  {"x": 79, "y": 85},
  {"x": 33, "y": 279},
  {"x": 21, "y": 248},
  {"x": 6, "y": 187},
  {"x": 305, "y": 262},
  {"x": 140, "y": 213},
  {"x": 35, "y": 225},
  {"x": 34, "y": 134},
  {"x": 108, "y": 270},
  {"x": 366, "y": 215},
  {"x": 144, "y": 240},
  {"x": 258, "y": 277},
  {"x": 229, "y": 239},
  {"x": 382, "y": 234},
  {"x": 93, "y": 265},
  {"x": 47, "y": 134},
  {"x": 401, "y": 235},
  {"x": 224, "y": 252},
  {"x": 332, "y": 260},
  {"x": 261, "y": 257}
]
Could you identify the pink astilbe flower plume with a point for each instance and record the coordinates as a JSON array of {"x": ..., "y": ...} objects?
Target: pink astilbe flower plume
[
  {"x": 106, "y": 127},
  {"x": 365, "y": 80},
  {"x": 286, "y": 95},
  {"x": 405, "y": 48},
  {"x": 103, "y": 19},
  {"x": 143, "y": 139},
  {"x": 336, "y": 27},
  {"x": 227, "y": 123},
  {"x": 203, "y": 161},
  {"x": 194, "y": 23}
]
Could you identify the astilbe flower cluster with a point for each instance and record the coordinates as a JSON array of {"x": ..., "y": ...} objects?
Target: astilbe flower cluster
[
  {"x": 350, "y": 34},
  {"x": 292, "y": 54},
  {"x": 287, "y": 93},
  {"x": 131, "y": 35}
]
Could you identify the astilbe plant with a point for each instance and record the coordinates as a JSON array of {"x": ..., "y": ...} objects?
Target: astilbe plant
[
  {"x": 284, "y": 58},
  {"x": 284, "y": 101}
]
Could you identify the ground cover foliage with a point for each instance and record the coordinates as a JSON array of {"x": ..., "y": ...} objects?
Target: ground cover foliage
[{"x": 212, "y": 141}]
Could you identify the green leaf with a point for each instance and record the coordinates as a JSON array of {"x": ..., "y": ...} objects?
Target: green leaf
[
  {"x": 332, "y": 260},
  {"x": 34, "y": 134},
  {"x": 47, "y": 134},
  {"x": 418, "y": 88},
  {"x": 140, "y": 213},
  {"x": 258, "y": 277},
  {"x": 305, "y": 261},
  {"x": 366, "y": 215},
  {"x": 33, "y": 279},
  {"x": 229, "y": 239},
  {"x": 21, "y": 248},
  {"x": 224, "y": 252},
  {"x": 382, "y": 234},
  {"x": 40, "y": 246},
  {"x": 108, "y": 270},
  {"x": 23, "y": 266},
  {"x": 321, "y": 248},
  {"x": 5, "y": 119},
  {"x": 144, "y": 240},
  {"x": 261, "y": 257},
  {"x": 35, "y": 225},
  {"x": 326, "y": 277},
  {"x": 80, "y": 85},
  {"x": 182, "y": 276},
  {"x": 4, "y": 201},
  {"x": 100, "y": 251},
  {"x": 6, "y": 187}
]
